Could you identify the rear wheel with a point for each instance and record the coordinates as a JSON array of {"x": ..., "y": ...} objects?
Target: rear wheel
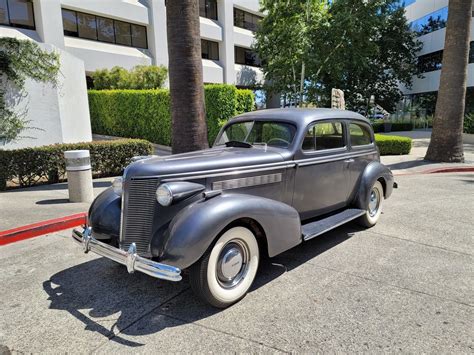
[
  {"x": 225, "y": 273},
  {"x": 374, "y": 206}
]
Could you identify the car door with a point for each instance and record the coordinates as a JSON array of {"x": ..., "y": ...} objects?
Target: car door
[
  {"x": 363, "y": 151},
  {"x": 321, "y": 172}
]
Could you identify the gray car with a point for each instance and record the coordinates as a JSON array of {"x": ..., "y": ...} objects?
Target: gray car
[{"x": 273, "y": 179}]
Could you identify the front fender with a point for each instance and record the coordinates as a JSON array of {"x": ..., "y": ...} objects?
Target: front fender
[
  {"x": 194, "y": 229},
  {"x": 373, "y": 172},
  {"x": 104, "y": 216}
]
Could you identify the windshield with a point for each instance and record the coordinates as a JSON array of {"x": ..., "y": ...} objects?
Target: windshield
[{"x": 276, "y": 134}]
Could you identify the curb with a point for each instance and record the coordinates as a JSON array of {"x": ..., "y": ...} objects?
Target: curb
[
  {"x": 40, "y": 228},
  {"x": 438, "y": 171}
]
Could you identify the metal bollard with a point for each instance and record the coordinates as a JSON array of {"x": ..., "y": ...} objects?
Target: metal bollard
[{"x": 79, "y": 175}]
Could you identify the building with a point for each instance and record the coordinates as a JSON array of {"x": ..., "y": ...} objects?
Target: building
[
  {"x": 97, "y": 34},
  {"x": 428, "y": 19}
]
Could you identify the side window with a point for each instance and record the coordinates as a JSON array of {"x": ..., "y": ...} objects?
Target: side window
[
  {"x": 324, "y": 135},
  {"x": 360, "y": 135}
]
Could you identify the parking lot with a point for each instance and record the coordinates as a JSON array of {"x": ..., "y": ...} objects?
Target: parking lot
[{"x": 405, "y": 285}]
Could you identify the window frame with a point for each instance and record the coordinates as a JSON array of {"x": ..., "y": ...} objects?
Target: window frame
[
  {"x": 348, "y": 135},
  {"x": 76, "y": 35},
  {"x": 206, "y": 15},
  {"x": 209, "y": 42},
  {"x": 255, "y": 65},
  {"x": 254, "y": 17},
  {"x": 14, "y": 25},
  {"x": 331, "y": 151}
]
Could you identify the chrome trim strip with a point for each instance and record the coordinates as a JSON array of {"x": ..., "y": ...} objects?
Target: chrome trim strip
[
  {"x": 129, "y": 258},
  {"x": 327, "y": 159},
  {"x": 247, "y": 182}
]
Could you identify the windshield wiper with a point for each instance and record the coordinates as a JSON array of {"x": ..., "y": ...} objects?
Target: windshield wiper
[{"x": 238, "y": 144}]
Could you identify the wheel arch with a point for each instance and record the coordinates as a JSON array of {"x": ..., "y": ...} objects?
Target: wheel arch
[{"x": 374, "y": 171}]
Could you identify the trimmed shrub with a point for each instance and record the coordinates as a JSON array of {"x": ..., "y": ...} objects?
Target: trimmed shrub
[
  {"x": 29, "y": 166},
  {"x": 139, "y": 77},
  {"x": 469, "y": 123},
  {"x": 396, "y": 126},
  {"x": 393, "y": 145},
  {"x": 146, "y": 113}
]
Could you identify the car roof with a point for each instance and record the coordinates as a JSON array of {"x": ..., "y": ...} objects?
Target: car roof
[{"x": 300, "y": 116}]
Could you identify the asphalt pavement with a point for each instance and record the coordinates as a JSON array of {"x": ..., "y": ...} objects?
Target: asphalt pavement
[{"x": 405, "y": 285}]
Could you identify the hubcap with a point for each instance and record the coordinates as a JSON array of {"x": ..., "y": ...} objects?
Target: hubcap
[
  {"x": 232, "y": 264},
  {"x": 374, "y": 202}
]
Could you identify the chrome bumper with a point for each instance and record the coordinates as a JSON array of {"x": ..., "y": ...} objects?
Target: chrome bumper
[{"x": 129, "y": 258}]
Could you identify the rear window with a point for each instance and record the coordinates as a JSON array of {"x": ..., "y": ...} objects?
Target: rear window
[
  {"x": 360, "y": 135},
  {"x": 323, "y": 136}
]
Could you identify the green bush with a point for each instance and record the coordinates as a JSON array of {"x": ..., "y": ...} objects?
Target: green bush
[
  {"x": 469, "y": 123},
  {"x": 146, "y": 113},
  {"x": 393, "y": 145},
  {"x": 139, "y": 77},
  {"x": 378, "y": 126},
  {"x": 29, "y": 166}
]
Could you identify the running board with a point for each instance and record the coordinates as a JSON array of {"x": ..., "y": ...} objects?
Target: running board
[{"x": 324, "y": 225}]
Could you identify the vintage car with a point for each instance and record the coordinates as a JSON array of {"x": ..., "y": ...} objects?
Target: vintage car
[{"x": 273, "y": 179}]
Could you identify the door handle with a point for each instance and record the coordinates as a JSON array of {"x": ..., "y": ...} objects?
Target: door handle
[{"x": 349, "y": 160}]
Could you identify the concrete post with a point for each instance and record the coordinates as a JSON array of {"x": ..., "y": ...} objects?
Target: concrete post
[
  {"x": 79, "y": 176},
  {"x": 225, "y": 14}
]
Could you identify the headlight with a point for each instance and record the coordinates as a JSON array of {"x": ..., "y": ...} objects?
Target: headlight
[
  {"x": 117, "y": 185},
  {"x": 164, "y": 195}
]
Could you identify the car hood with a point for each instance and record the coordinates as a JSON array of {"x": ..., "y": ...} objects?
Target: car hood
[{"x": 203, "y": 161}]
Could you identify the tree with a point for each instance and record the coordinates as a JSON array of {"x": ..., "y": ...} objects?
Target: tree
[
  {"x": 282, "y": 42},
  {"x": 362, "y": 47},
  {"x": 446, "y": 138},
  {"x": 21, "y": 60},
  {"x": 189, "y": 130}
]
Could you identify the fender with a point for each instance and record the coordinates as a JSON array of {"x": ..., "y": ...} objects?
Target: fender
[
  {"x": 373, "y": 171},
  {"x": 104, "y": 216},
  {"x": 194, "y": 229}
]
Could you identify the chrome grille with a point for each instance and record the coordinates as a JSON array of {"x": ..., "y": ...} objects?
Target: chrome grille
[{"x": 139, "y": 207}]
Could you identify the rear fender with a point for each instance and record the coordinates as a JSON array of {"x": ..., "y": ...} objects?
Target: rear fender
[
  {"x": 373, "y": 171},
  {"x": 195, "y": 228}
]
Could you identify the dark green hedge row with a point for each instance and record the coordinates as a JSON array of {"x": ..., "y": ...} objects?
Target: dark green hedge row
[
  {"x": 146, "y": 113},
  {"x": 396, "y": 126},
  {"x": 29, "y": 166},
  {"x": 393, "y": 145}
]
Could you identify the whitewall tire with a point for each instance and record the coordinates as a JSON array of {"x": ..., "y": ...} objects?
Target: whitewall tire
[
  {"x": 374, "y": 206},
  {"x": 225, "y": 273}
]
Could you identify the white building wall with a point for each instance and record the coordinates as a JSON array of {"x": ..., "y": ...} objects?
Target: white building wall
[{"x": 432, "y": 42}]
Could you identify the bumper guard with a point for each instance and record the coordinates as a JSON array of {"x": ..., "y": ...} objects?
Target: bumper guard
[{"x": 129, "y": 258}]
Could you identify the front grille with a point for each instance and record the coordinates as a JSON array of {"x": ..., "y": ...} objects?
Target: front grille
[{"x": 138, "y": 211}]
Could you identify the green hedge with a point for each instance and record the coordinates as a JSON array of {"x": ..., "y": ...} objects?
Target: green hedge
[
  {"x": 396, "y": 126},
  {"x": 393, "y": 145},
  {"x": 146, "y": 113},
  {"x": 29, "y": 166}
]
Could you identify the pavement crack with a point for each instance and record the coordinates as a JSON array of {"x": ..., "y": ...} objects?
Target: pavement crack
[
  {"x": 225, "y": 333},
  {"x": 111, "y": 338},
  {"x": 419, "y": 243},
  {"x": 392, "y": 285}
]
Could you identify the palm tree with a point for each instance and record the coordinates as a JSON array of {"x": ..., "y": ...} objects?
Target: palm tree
[
  {"x": 188, "y": 114},
  {"x": 446, "y": 139}
]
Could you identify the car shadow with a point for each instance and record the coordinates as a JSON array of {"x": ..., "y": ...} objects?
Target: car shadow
[{"x": 96, "y": 291}]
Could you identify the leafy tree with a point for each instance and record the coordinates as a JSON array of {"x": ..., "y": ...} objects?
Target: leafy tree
[
  {"x": 446, "y": 138},
  {"x": 283, "y": 42},
  {"x": 361, "y": 47},
  {"x": 139, "y": 77},
  {"x": 21, "y": 60},
  {"x": 185, "y": 75}
]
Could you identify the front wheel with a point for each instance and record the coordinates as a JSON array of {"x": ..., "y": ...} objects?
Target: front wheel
[
  {"x": 225, "y": 273},
  {"x": 374, "y": 206}
]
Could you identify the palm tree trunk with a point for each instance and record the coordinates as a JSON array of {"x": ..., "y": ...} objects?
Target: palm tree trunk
[
  {"x": 189, "y": 131},
  {"x": 446, "y": 139}
]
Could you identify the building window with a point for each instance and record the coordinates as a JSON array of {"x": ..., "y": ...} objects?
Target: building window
[
  {"x": 430, "y": 62},
  {"x": 471, "y": 52},
  {"x": 431, "y": 22},
  {"x": 208, "y": 9},
  {"x": 209, "y": 50},
  {"x": 245, "y": 56},
  {"x": 246, "y": 20},
  {"x": 17, "y": 13},
  {"x": 102, "y": 29}
]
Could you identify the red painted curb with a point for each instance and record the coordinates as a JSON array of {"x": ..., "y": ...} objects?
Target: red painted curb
[
  {"x": 40, "y": 228},
  {"x": 439, "y": 170}
]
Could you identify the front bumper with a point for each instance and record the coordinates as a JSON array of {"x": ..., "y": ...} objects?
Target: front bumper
[{"x": 129, "y": 258}]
